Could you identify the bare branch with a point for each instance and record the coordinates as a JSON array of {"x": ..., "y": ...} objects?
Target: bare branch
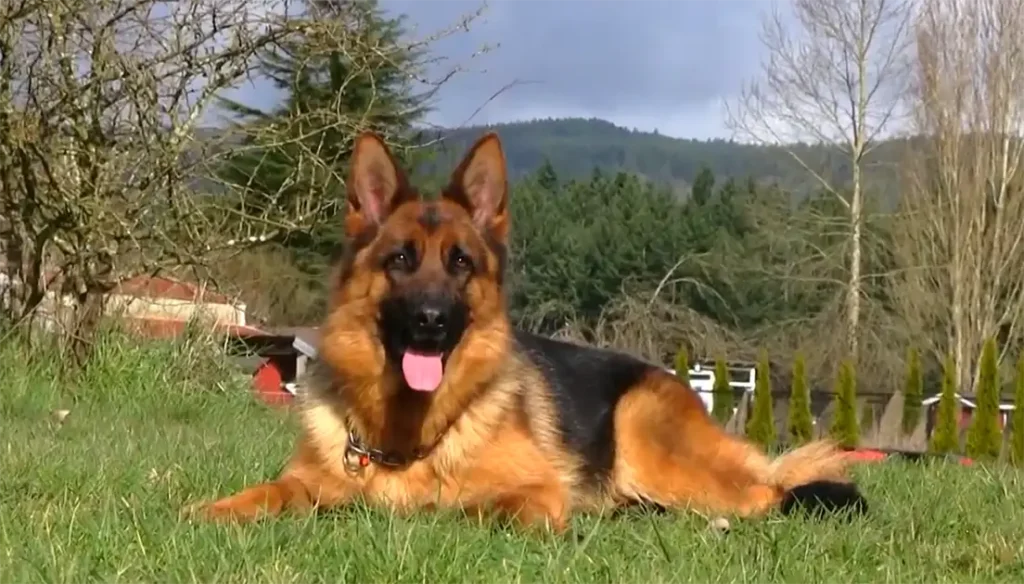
[
  {"x": 837, "y": 81},
  {"x": 961, "y": 219},
  {"x": 108, "y": 165}
]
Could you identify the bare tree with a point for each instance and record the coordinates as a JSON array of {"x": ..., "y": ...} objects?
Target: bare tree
[
  {"x": 799, "y": 260},
  {"x": 106, "y": 170},
  {"x": 961, "y": 231},
  {"x": 835, "y": 80}
]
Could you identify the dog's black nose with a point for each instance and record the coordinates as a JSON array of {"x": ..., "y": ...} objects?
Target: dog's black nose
[{"x": 431, "y": 319}]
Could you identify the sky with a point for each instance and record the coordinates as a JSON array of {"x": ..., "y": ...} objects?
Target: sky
[{"x": 665, "y": 65}]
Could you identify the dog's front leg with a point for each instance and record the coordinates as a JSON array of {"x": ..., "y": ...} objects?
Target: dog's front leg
[
  {"x": 526, "y": 507},
  {"x": 539, "y": 506},
  {"x": 304, "y": 485},
  {"x": 287, "y": 493}
]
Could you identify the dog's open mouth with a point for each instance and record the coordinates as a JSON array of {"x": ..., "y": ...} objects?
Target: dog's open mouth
[{"x": 423, "y": 370}]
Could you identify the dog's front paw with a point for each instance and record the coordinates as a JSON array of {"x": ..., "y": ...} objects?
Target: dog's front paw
[
  {"x": 200, "y": 511},
  {"x": 228, "y": 510}
]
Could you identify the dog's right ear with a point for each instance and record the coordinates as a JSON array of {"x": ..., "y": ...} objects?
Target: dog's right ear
[{"x": 376, "y": 186}]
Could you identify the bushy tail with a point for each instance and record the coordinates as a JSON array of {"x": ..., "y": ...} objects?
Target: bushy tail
[{"x": 814, "y": 478}]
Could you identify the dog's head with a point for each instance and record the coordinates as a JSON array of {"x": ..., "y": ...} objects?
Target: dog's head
[{"x": 421, "y": 274}]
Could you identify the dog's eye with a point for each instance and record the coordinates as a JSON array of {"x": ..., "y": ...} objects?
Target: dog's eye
[
  {"x": 398, "y": 261},
  {"x": 459, "y": 261}
]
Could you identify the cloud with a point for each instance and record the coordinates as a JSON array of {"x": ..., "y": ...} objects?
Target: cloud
[
  {"x": 663, "y": 65},
  {"x": 651, "y": 64}
]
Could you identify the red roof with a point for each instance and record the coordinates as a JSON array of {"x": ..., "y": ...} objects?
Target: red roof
[
  {"x": 163, "y": 328},
  {"x": 164, "y": 287},
  {"x": 152, "y": 287}
]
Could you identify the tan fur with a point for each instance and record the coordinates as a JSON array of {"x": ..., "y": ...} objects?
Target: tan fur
[
  {"x": 672, "y": 453},
  {"x": 491, "y": 441},
  {"x": 490, "y": 430}
]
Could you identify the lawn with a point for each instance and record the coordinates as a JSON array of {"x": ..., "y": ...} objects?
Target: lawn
[{"x": 151, "y": 428}]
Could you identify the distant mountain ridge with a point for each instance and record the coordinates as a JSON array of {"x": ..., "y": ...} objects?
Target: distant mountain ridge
[{"x": 575, "y": 146}]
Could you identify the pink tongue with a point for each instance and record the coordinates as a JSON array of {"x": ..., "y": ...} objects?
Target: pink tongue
[{"x": 422, "y": 371}]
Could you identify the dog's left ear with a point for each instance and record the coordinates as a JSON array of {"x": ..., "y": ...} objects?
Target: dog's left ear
[{"x": 480, "y": 184}]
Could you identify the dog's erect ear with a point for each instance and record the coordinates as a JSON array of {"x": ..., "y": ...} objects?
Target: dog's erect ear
[
  {"x": 376, "y": 186},
  {"x": 480, "y": 184}
]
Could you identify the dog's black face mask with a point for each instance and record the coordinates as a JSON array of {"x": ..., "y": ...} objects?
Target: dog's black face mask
[
  {"x": 424, "y": 315},
  {"x": 419, "y": 332}
]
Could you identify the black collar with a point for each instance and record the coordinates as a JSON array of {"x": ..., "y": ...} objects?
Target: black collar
[{"x": 359, "y": 455}]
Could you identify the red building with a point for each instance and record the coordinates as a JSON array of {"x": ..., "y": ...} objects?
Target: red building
[
  {"x": 283, "y": 356},
  {"x": 966, "y": 412},
  {"x": 161, "y": 307}
]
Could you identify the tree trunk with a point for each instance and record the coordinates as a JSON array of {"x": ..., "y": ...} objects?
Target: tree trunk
[
  {"x": 854, "y": 286},
  {"x": 25, "y": 289},
  {"x": 957, "y": 336},
  {"x": 88, "y": 315}
]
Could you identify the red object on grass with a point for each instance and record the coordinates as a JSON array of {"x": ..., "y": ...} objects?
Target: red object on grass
[
  {"x": 872, "y": 455},
  {"x": 867, "y": 455}
]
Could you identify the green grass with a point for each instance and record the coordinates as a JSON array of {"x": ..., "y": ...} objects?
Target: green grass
[{"x": 150, "y": 429}]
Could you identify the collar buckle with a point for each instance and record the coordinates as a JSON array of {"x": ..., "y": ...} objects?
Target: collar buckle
[{"x": 358, "y": 456}]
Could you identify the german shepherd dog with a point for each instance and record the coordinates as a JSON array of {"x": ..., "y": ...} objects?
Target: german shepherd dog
[{"x": 424, "y": 395}]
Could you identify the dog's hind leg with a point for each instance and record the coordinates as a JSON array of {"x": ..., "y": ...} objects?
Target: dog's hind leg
[{"x": 669, "y": 451}]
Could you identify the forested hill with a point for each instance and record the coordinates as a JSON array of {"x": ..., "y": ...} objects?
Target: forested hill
[{"x": 575, "y": 146}]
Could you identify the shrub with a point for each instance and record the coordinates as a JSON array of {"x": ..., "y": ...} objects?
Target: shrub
[
  {"x": 845, "y": 428},
  {"x": 682, "y": 365},
  {"x": 913, "y": 392},
  {"x": 984, "y": 438},
  {"x": 1017, "y": 437},
  {"x": 946, "y": 434},
  {"x": 799, "y": 422},
  {"x": 760, "y": 427},
  {"x": 721, "y": 392}
]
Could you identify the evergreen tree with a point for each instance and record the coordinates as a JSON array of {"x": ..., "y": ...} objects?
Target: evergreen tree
[
  {"x": 547, "y": 178},
  {"x": 703, "y": 187},
  {"x": 683, "y": 365},
  {"x": 722, "y": 406},
  {"x": 577, "y": 249},
  {"x": 946, "y": 434},
  {"x": 299, "y": 150},
  {"x": 799, "y": 421},
  {"x": 760, "y": 427},
  {"x": 329, "y": 91},
  {"x": 984, "y": 438},
  {"x": 845, "y": 428},
  {"x": 913, "y": 392},
  {"x": 1017, "y": 437}
]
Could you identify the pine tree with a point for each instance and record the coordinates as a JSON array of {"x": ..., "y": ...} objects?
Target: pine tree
[
  {"x": 683, "y": 365},
  {"x": 946, "y": 434},
  {"x": 1017, "y": 437},
  {"x": 845, "y": 428},
  {"x": 721, "y": 392},
  {"x": 984, "y": 438},
  {"x": 799, "y": 422},
  {"x": 324, "y": 87},
  {"x": 303, "y": 145},
  {"x": 760, "y": 427},
  {"x": 703, "y": 186},
  {"x": 547, "y": 178},
  {"x": 913, "y": 392}
]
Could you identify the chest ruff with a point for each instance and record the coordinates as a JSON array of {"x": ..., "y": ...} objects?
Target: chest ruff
[{"x": 503, "y": 442}]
